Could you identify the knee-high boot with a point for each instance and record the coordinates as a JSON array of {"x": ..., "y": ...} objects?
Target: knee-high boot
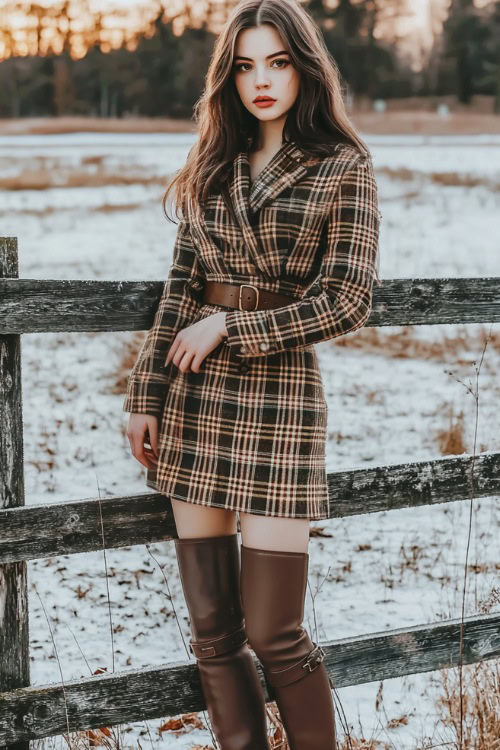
[
  {"x": 209, "y": 568},
  {"x": 273, "y": 588}
]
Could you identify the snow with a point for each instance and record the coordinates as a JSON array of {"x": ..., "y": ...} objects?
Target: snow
[{"x": 383, "y": 570}]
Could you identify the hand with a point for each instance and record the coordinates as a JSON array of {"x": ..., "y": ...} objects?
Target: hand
[
  {"x": 138, "y": 426},
  {"x": 192, "y": 344}
]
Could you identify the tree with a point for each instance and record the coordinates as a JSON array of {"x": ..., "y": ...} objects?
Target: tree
[{"x": 463, "y": 61}]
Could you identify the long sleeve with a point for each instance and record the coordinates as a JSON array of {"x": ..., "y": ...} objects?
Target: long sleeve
[
  {"x": 180, "y": 300},
  {"x": 340, "y": 298}
]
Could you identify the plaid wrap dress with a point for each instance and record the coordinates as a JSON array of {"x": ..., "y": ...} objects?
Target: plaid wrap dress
[{"x": 248, "y": 432}]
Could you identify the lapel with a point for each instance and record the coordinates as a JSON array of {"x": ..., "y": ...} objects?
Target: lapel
[{"x": 286, "y": 167}]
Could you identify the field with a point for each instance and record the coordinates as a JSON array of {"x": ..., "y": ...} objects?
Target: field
[{"x": 87, "y": 205}]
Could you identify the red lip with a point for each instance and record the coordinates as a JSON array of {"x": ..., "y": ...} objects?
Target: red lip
[{"x": 264, "y": 99}]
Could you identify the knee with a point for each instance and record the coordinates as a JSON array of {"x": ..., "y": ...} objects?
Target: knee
[
  {"x": 258, "y": 632},
  {"x": 272, "y": 641}
]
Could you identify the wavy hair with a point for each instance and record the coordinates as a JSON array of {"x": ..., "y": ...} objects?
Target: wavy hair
[{"x": 317, "y": 121}]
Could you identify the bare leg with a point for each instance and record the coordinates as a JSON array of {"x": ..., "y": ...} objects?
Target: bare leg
[
  {"x": 199, "y": 520},
  {"x": 271, "y": 533}
]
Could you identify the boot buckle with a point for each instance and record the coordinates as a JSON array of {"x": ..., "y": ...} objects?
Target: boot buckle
[
  {"x": 220, "y": 645},
  {"x": 315, "y": 657}
]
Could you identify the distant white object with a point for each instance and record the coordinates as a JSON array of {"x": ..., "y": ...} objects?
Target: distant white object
[
  {"x": 379, "y": 105},
  {"x": 443, "y": 110}
]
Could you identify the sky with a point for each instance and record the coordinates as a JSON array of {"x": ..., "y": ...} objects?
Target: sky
[
  {"x": 415, "y": 32},
  {"x": 419, "y": 8}
]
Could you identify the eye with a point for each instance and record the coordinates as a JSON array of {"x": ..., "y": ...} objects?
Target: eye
[{"x": 239, "y": 66}]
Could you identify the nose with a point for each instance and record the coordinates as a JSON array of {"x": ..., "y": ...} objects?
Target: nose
[{"x": 261, "y": 77}]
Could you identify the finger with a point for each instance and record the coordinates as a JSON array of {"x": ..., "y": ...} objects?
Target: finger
[
  {"x": 173, "y": 348},
  {"x": 153, "y": 434},
  {"x": 133, "y": 443},
  {"x": 185, "y": 360},
  {"x": 196, "y": 363},
  {"x": 137, "y": 445},
  {"x": 151, "y": 457},
  {"x": 179, "y": 354},
  {"x": 138, "y": 450},
  {"x": 147, "y": 460}
]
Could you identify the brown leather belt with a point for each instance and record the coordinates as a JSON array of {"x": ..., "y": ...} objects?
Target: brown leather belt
[{"x": 243, "y": 296}]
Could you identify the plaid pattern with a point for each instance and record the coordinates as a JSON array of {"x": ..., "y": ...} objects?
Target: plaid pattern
[
  {"x": 248, "y": 432},
  {"x": 178, "y": 303}
]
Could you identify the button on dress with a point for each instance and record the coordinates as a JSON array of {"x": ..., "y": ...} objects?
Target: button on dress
[{"x": 248, "y": 432}]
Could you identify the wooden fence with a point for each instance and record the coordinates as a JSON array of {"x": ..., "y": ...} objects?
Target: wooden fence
[{"x": 41, "y": 531}]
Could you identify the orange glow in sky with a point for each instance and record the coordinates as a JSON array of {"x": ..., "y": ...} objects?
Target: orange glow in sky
[{"x": 125, "y": 20}]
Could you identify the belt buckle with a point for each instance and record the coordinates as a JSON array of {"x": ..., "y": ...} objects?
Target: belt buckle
[{"x": 256, "y": 301}]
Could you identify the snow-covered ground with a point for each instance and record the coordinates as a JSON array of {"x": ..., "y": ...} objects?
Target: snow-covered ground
[{"x": 96, "y": 213}]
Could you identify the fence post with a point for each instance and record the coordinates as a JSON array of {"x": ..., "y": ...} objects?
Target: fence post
[{"x": 14, "y": 626}]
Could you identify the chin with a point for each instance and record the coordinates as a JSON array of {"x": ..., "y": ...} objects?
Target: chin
[{"x": 265, "y": 114}]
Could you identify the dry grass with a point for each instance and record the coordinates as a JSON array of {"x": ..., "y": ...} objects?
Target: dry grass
[
  {"x": 33, "y": 178},
  {"x": 76, "y": 124},
  {"x": 405, "y": 344},
  {"x": 132, "y": 347},
  {"x": 451, "y": 440},
  {"x": 446, "y": 179},
  {"x": 106, "y": 208},
  {"x": 416, "y": 115},
  {"x": 410, "y": 121},
  {"x": 43, "y": 174},
  {"x": 481, "y": 706}
]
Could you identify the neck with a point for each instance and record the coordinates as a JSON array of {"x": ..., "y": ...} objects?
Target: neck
[{"x": 270, "y": 136}]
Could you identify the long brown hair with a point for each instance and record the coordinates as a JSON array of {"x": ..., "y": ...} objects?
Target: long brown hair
[{"x": 317, "y": 121}]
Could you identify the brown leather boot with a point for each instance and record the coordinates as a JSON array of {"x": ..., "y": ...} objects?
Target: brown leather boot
[
  {"x": 209, "y": 568},
  {"x": 273, "y": 588}
]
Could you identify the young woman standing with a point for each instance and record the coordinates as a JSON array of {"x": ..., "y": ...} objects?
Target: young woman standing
[{"x": 277, "y": 249}]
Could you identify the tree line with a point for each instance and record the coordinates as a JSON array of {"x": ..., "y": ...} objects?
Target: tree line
[{"x": 74, "y": 65}]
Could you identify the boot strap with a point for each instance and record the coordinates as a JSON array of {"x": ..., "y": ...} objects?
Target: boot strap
[
  {"x": 296, "y": 671},
  {"x": 216, "y": 646}
]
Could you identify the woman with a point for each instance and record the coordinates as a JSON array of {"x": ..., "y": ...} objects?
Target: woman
[{"x": 276, "y": 250}]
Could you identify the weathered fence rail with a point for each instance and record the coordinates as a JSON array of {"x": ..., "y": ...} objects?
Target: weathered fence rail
[
  {"x": 45, "y": 530},
  {"x": 45, "y": 305},
  {"x": 147, "y": 693}
]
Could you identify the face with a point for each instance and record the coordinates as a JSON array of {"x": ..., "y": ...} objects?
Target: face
[{"x": 262, "y": 67}]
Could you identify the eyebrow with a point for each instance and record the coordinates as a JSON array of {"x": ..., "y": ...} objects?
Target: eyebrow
[{"x": 281, "y": 52}]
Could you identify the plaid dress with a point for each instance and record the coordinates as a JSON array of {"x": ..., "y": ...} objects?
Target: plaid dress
[{"x": 248, "y": 432}]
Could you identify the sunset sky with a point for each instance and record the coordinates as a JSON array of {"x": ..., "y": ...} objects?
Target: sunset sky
[
  {"x": 419, "y": 23},
  {"x": 415, "y": 32}
]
